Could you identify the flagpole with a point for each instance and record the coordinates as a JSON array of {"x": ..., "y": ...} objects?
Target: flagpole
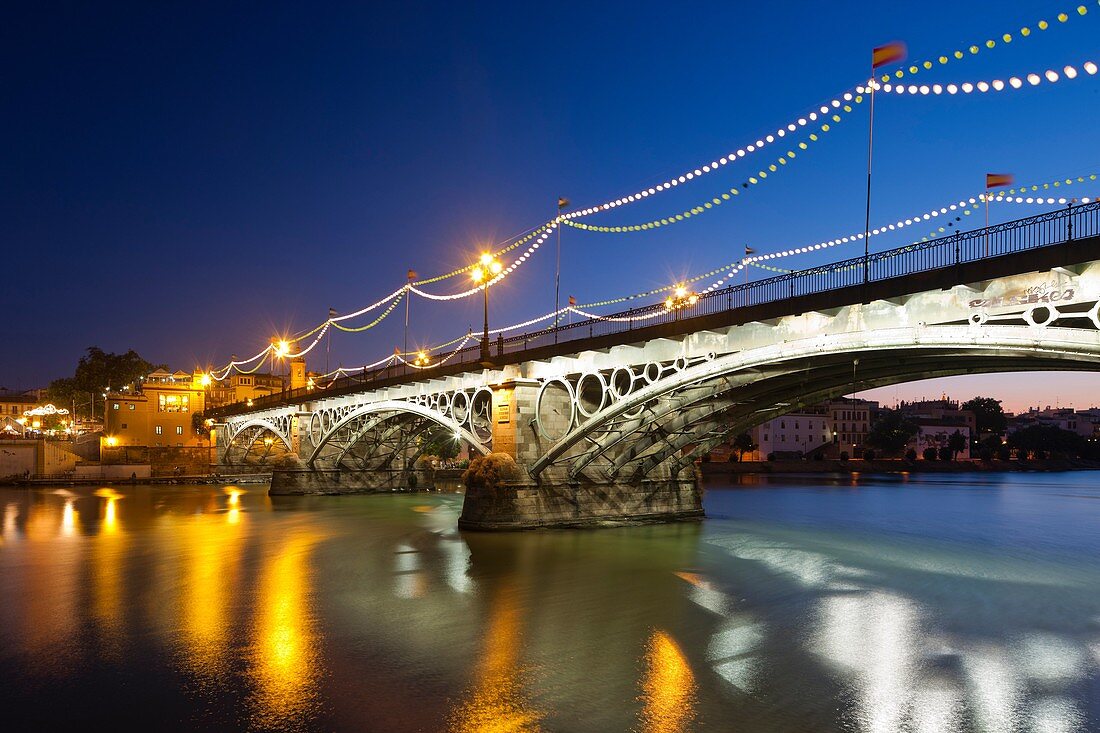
[
  {"x": 557, "y": 273},
  {"x": 870, "y": 148},
  {"x": 985, "y": 243},
  {"x": 408, "y": 299}
]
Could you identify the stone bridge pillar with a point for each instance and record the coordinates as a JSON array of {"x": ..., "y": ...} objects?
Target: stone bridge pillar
[
  {"x": 554, "y": 499},
  {"x": 219, "y": 434},
  {"x": 514, "y": 405}
]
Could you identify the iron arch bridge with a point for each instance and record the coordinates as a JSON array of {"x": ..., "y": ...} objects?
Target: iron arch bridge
[{"x": 609, "y": 421}]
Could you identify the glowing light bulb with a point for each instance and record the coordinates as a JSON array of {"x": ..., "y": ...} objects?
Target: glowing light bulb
[{"x": 477, "y": 274}]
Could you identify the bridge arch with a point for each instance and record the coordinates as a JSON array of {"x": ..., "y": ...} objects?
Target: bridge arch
[
  {"x": 672, "y": 420},
  {"x": 392, "y": 427},
  {"x": 247, "y": 438}
]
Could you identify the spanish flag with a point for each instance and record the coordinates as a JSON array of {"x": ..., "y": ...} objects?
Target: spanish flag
[
  {"x": 888, "y": 54},
  {"x": 562, "y": 202},
  {"x": 572, "y": 300},
  {"x": 993, "y": 180},
  {"x": 749, "y": 251},
  {"x": 411, "y": 275}
]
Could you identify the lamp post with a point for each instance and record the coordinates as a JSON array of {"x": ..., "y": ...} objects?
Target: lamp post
[{"x": 487, "y": 268}]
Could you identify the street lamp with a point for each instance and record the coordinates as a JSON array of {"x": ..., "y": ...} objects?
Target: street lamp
[
  {"x": 681, "y": 298},
  {"x": 487, "y": 268}
]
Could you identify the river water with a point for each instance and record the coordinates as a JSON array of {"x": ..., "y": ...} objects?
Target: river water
[{"x": 878, "y": 604}]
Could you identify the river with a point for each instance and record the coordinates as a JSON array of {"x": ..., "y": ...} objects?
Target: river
[{"x": 904, "y": 603}]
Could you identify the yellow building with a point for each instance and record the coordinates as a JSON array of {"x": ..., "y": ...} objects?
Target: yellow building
[
  {"x": 242, "y": 387},
  {"x": 158, "y": 413}
]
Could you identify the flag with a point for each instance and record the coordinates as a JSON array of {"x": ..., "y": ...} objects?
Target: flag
[
  {"x": 572, "y": 300},
  {"x": 411, "y": 275},
  {"x": 562, "y": 202},
  {"x": 749, "y": 251},
  {"x": 888, "y": 54},
  {"x": 331, "y": 312},
  {"x": 993, "y": 180}
]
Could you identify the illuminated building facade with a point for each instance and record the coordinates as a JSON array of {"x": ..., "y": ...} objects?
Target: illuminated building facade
[
  {"x": 158, "y": 413},
  {"x": 243, "y": 387}
]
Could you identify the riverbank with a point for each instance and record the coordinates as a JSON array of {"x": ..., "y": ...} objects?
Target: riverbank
[
  {"x": 897, "y": 466},
  {"x": 27, "y": 483}
]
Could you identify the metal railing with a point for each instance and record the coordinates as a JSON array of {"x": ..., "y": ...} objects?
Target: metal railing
[{"x": 1043, "y": 230}]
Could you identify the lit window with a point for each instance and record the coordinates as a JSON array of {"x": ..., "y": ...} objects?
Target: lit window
[
  {"x": 159, "y": 430},
  {"x": 131, "y": 405},
  {"x": 114, "y": 406},
  {"x": 173, "y": 403},
  {"x": 179, "y": 430}
]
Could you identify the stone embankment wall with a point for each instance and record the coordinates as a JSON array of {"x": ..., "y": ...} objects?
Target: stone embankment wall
[{"x": 163, "y": 460}]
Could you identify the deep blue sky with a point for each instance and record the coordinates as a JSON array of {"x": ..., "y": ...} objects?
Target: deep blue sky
[{"x": 189, "y": 179}]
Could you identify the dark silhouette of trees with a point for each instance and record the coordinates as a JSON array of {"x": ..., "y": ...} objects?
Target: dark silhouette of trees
[
  {"x": 956, "y": 443},
  {"x": 97, "y": 372},
  {"x": 988, "y": 415},
  {"x": 891, "y": 432},
  {"x": 743, "y": 443}
]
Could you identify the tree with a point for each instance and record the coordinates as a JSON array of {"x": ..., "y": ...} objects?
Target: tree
[
  {"x": 98, "y": 371},
  {"x": 198, "y": 424},
  {"x": 891, "y": 432},
  {"x": 989, "y": 417},
  {"x": 1051, "y": 439},
  {"x": 929, "y": 454},
  {"x": 956, "y": 442},
  {"x": 743, "y": 443},
  {"x": 945, "y": 453}
]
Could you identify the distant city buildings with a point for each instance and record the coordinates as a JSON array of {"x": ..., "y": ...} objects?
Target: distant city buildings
[
  {"x": 1085, "y": 423},
  {"x": 937, "y": 421}
]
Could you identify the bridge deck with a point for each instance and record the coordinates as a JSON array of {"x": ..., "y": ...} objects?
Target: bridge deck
[{"x": 1056, "y": 239}]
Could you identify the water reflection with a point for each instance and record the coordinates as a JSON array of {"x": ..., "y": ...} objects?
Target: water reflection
[
  {"x": 668, "y": 687},
  {"x": 904, "y": 669},
  {"x": 108, "y": 555},
  {"x": 210, "y": 554},
  {"x": 497, "y": 701},
  {"x": 286, "y": 662}
]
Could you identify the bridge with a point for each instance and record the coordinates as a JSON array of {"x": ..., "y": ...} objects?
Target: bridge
[{"x": 603, "y": 419}]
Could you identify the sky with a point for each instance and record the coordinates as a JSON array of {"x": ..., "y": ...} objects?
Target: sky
[{"x": 190, "y": 180}]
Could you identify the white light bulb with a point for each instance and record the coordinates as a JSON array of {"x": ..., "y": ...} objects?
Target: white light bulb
[
  {"x": 937, "y": 89},
  {"x": 924, "y": 89},
  {"x": 888, "y": 87},
  {"x": 1070, "y": 72},
  {"x": 998, "y": 84},
  {"x": 912, "y": 88},
  {"x": 1090, "y": 67},
  {"x": 967, "y": 87},
  {"x": 951, "y": 89},
  {"x": 1033, "y": 79},
  {"x": 1051, "y": 75},
  {"x": 983, "y": 86},
  {"x": 1015, "y": 82}
]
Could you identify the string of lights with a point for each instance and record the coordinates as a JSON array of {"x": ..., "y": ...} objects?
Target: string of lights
[
  {"x": 717, "y": 200},
  {"x": 1014, "y": 82},
  {"x": 974, "y": 49}
]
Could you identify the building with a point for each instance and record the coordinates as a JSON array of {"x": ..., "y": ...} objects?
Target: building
[
  {"x": 852, "y": 420},
  {"x": 158, "y": 412},
  {"x": 936, "y": 421},
  {"x": 242, "y": 388},
  {"x": 793, "y": 435},
  {"x": 1085, "y": 423},
  {"x": 16, "y": 403}
]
